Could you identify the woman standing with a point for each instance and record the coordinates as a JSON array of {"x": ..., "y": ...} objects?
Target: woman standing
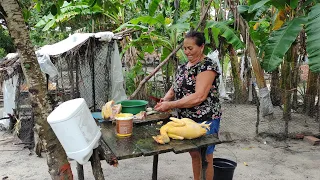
[{"x": 195, "y": 95}]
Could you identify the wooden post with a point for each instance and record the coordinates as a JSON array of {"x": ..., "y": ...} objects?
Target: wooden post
[
  {"x": 318, "y": 104},
  {"x": 106, "y": 153},
  {"x": 80, "y": 172},
  {"x": 204, "y": 163},
  {"x": 96, "y": 165},
  {"x": 255, "y": 95},
  {"x": 155, "y": 167}
]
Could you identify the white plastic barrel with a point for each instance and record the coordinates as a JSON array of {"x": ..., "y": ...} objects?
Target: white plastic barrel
[{"x": 76, "y": 129}]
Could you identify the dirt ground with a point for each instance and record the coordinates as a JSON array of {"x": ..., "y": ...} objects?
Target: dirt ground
[{"x": 258, "y": 158}]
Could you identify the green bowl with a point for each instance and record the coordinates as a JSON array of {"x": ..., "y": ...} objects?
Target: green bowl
[{"x": 133, "y": 106}]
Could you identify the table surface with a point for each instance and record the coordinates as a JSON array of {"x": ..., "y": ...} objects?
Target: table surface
[{"x": 141, "y": 143}]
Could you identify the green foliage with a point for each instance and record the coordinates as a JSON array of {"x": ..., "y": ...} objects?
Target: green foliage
[
  {"x": 226, "y": 32},
  {"x": 153, "y": 6},
  {"x": 137, "y": 70},
  {"x": 280, "y": 4},
  {"x": 2, "y": 53},
  {"x": 313, "y": 38},
  {"x": 261, "y": 34},
  {"x": 257, "y": 5},
  {"x": 294, "y": 4},
  {"x": 6, "y": 42},
  {"x": 279, "y": 43},
  {"x": 85, "y": 9},
  {"x": 251, "y": 2}
]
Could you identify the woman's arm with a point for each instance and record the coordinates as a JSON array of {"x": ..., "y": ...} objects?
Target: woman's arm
[
  {"x": 203, "y": 84},
  {"x": 169, "y": 95}
]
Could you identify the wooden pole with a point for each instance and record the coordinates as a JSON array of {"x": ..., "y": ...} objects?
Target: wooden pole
[
  {"x": 318, "y": 104},
  {"x": 96, "y": 165},
  {"x": 106, "y": 153},
  {"x": 80, "y": 172},
  {"x": 141, "y": 84},
  {"x": 155, "y": 167}
]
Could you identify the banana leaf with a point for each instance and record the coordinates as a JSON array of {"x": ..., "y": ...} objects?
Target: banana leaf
[
  {"x": 313, "y": 38},
  {"x": 257, "y": 5},
  {"x": 226, "y": 32},
  {"x": 279, "y": 42}
]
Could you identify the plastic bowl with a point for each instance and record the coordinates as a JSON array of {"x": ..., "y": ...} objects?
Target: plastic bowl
[{"x": 133, "y": 106}]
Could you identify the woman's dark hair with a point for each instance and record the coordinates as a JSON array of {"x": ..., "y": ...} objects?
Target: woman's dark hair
[{"x": 197, "y": 36}]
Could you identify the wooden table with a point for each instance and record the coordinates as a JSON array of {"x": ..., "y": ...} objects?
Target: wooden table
[{"x": 141, "y": 143}]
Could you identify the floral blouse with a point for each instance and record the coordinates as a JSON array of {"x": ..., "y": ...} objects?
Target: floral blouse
[{"x": 184, "y": 85}]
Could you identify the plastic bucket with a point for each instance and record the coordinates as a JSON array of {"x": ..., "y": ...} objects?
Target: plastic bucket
[
  {"x": 223, "y": 169},
  {"x": 124, "y": 124},
  {"x": 133, "y": 106}
]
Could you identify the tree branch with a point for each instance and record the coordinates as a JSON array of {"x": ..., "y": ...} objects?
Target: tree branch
[{"x": 169, "y": 56}]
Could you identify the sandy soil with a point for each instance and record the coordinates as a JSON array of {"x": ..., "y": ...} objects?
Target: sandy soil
[{"x": 266, "y": 158}]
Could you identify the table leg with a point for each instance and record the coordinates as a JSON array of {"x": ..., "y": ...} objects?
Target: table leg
[
  {"x": 96, "y": 165},
  {"x": 80, "y": 172},
  {"x": 204, "y": 162},
  {"x": 155, "y": 167}
]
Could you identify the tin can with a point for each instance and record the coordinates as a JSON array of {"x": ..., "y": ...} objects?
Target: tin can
[{"x": 124, "y": 124}]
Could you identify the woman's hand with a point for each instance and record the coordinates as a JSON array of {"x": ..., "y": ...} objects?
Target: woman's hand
[
  {"x": 163, "y": 106},
  {"x": 163, "y": 100}
]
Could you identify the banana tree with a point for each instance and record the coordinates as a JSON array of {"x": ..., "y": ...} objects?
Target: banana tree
[
  {"x": 223, "y": 33},
  {"x": 282, "y": 39},
  {"x": 66, "y": 11},
  {"x": 251, "y": 49},
  {"x": 158, "y": 33}
]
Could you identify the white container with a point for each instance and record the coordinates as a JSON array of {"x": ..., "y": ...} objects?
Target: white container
[{"x": 76, "y": 129}]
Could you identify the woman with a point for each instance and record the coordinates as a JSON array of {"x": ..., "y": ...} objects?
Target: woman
[{"x": 195, "y": 95}]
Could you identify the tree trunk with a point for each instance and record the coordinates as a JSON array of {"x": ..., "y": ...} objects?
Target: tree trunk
[
  {"x": 275, "y": 94},
  {"x": 244, "y": 29},
  {"x": 59, "y": 167},
  {"x": 239, "y": 87},
  {"x": 203, "y": 13},
  {"x": 286, "y": 79},
  {"x": 286, "y": 94},
  {"x": 266, "y": 107},
  {"x": 295, "y": 82},
  {"x": 309, "y": 100}
]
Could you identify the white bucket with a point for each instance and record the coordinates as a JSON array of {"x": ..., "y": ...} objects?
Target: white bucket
[{"x": 76, "y": 129}]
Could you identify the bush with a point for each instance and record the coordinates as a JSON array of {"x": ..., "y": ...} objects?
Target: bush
[{"x": 2, "y": 53}]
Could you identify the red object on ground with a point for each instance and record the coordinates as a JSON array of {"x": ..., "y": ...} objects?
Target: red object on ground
[
  {"x": 312, "y": 140},
  {"x": 299, "y": 136}
]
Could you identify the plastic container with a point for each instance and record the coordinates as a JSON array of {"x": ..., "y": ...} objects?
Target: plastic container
[
  {"x": 77, "y": 131},
  {"x": 124, "y": 124},
  {"x": 96, "y": 115},
  {"x": 223, "y": 169},
  {"x": 133, "y": 106}
]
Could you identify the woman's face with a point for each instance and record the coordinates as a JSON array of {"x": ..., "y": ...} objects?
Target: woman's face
[{"x": 192, "y": 50}]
